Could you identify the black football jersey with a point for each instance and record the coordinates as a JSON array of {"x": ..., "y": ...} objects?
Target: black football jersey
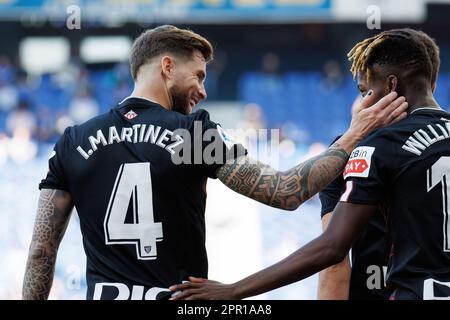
[
  {"x": 406, "y": 168},
  {"x": 137, "y": 176},
  {"x": 369, "y": 254}
]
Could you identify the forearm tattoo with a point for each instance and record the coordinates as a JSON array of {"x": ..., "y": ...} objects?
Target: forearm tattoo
[
  {"x": 288, "y": 189},
  {"x": 52, "y": 217}
]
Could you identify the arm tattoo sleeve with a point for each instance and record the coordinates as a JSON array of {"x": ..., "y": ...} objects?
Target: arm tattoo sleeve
[
  {"x": 288, "y": 189},
  {"x": 52, "y": 218}
]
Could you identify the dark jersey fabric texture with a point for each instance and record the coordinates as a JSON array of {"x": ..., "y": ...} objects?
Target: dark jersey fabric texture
[
  {"x": 141, "y": 212},
  {"x": 406, "y": 167}
]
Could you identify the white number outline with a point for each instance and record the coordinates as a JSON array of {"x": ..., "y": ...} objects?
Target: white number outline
[
  {"x": 153, "y": 230},
  {"x": 438, "y": 173}
]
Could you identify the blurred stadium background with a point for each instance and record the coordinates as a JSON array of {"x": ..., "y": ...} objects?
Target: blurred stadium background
[{"x": 280, "y": 64}]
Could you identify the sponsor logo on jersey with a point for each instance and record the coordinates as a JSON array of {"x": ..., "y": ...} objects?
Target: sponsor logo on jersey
[
  {"x": 130, "y": 115},
  {"x": 359, "y": 163},
  {"x": 122, "y": 291},
  {"x": 229, "y": 142}
]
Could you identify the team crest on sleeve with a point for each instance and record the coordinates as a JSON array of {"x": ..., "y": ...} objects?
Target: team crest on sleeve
[
  {"x": 229, "y": 142},
  {"x": 130, "y": 115},
  {"x": 359, "y": 163}
]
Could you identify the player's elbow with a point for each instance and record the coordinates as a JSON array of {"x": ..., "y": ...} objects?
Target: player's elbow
[
  {"x": 334, "y": 255},
  {"x": 334, "y": 251},
  {"x": 339, "y": 255},
  {"x": 287, "y": 196},
  {"x": 285, "y": 201},
  {"x": 292, "y": 204},
  {"x": 39, "y": 250},
  {"x": 290, "y": 193}
]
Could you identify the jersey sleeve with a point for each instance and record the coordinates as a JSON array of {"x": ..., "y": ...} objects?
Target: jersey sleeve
[
  {"x": 56, "y": 175},
  {"x": 329, "y": 197},
  {"x": 368, "y": 169},
  {"x": 217, "y": 145}
]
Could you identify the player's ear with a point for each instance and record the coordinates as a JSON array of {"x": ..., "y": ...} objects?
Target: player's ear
[
  {"x": 433, "y": 86},
  {"x": 392, "y": 83},
  {"x": 167, "y": 64}
]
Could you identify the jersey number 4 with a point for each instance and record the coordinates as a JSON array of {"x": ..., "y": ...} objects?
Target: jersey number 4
[
  {"x": 440, "y": 173},
  {"x": 132, "y": 198}
]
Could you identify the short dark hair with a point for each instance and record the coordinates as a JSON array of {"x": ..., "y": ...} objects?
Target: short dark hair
[
  {"x": 400, "y": 48},
  {"x": 167, "y": 39},
  {"x": 433, "y": 53}
]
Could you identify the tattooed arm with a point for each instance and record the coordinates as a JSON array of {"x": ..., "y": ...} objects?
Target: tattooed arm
[
  {"x": 288, "y": 189},
  {"x": 52, "y": 218}
]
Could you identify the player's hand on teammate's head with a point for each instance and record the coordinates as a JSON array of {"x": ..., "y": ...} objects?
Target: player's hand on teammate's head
[
  {"x": 202, "y": 289},
  {"x": 370, "y": 114}
]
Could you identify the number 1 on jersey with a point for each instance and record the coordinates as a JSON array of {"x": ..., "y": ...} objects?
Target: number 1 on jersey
[
  {"x": 133, "y": 190},
  {"x": 439, "y": 173}
]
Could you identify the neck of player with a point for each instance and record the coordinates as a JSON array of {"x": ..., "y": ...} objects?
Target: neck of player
[
  {"x": 151, "y": 86},
  {"x": 419, "y": 97}
]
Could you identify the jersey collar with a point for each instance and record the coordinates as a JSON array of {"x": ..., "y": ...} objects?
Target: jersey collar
[
  {"x": 137, "y": 102},
  {"x": 427, "y": 109}
]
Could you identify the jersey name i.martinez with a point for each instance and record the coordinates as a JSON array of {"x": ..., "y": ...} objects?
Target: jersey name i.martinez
[
  {"x": 141, "y": 213},
  {"x": 138, "y": 133}
]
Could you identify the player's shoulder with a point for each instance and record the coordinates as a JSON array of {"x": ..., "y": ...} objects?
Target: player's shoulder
[
  {"x": 380, "y": 143},
  {"x": 200, "y": 115},
  {"x": 95, "y": 122},
  {"x": 387, "y": 135},
  {"x": 415, "y": 121},
  {"x": 75, "y": 132},
  {"x": 418, "y": 118},
  {"x": 379, "y": 137},
  {"x": 200, "y": 118}
]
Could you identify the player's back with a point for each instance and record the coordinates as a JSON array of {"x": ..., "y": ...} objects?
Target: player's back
[
  {"x": 418, "y": 192},
  {"x": 141, "y": 216}
]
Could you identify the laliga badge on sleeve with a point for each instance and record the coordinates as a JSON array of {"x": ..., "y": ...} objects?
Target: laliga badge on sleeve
[{"x": 229, "y": 142}]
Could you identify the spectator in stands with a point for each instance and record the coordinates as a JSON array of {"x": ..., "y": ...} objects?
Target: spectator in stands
[
  {"x": 21, "y": 118},
  {"x": 83, "y": 107}
]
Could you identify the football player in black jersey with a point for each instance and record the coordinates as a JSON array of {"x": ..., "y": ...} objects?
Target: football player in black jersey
[
  {"x": 137, "y": 176},
  {"x": 404, "y": 168},
  {"x": 365, "y": 279}
]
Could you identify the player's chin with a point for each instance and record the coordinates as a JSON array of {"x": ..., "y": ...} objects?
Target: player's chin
[{"x": 186, "y": 110}]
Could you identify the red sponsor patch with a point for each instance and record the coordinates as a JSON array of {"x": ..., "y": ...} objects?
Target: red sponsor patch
[
  {"x": 356, "y": 166},
  {"x": 359, "y": 163}
]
